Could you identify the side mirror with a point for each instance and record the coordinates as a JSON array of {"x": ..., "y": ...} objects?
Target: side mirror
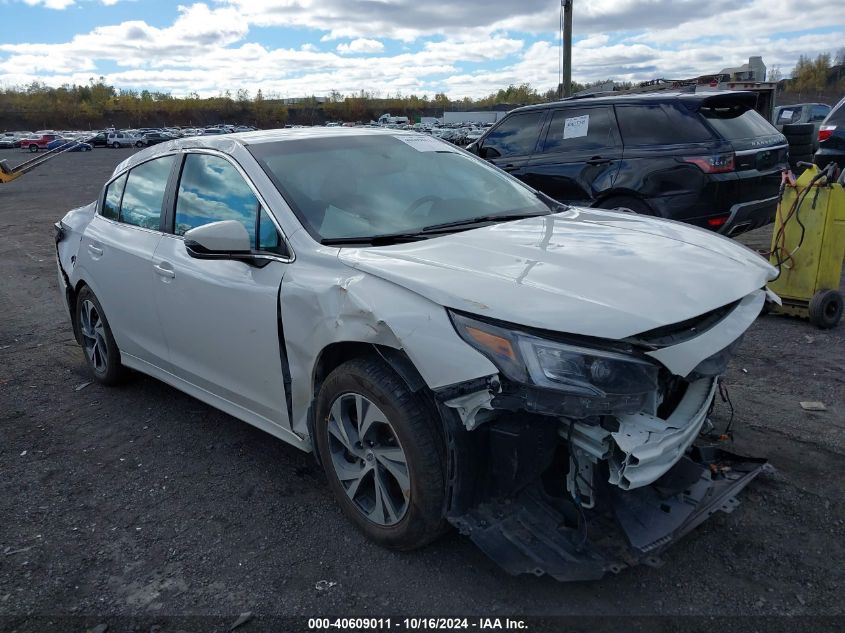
[{"x": 227, "y": 239}]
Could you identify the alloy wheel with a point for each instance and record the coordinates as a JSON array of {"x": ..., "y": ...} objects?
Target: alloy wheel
[
  {"x": 368, "y": 459},
  {"x": 94, "y": 337}
]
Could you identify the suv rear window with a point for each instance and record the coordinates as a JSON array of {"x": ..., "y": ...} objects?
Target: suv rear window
[
  {"x": 738, "y": 122},
  {"x": 659, "y": 124}
]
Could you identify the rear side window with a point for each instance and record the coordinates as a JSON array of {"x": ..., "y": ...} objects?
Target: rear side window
[
  {"x": 515, "y": 136},
  {"x": 111, "y": 203},
  {"x": 584, "y": 129},
  {"x": 789, "y": 115},
  {"x": 737, "y": 123},
  {"x": 818, "y": 113},
  {"x": 659, "y": 124},
  {"x": 144, "y": 193},
  {"x": 837, "y": 116}
]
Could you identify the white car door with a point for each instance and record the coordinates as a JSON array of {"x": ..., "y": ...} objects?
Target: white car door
[
  {"x": 221, "y": 317},
  {"x": 117, "y": 253}
]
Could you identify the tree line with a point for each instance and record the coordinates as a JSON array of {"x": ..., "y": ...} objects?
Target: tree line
[{"x": 98, "y": 104}]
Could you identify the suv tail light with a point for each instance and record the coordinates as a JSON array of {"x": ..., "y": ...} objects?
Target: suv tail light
[
  {"x": 716, "y": 164},
  {"x": 825, "y": 132}
]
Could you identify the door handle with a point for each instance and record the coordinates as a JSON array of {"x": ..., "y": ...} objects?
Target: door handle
[
  {"x": 165, "y": 270},
  {"x": 598, "y": 160},
  {"x": 509, "y": 167},
  {"x": 96, "y": 251}
]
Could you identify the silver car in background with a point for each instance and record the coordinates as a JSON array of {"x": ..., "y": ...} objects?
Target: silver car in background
[{"x": 456, "y": 347}]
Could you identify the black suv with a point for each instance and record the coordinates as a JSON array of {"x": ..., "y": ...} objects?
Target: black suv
[
  {"x": 832, "y": 138},
  {"x": 704, "y": 158}
]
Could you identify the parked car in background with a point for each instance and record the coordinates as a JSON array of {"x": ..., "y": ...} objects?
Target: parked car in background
[
  {"x": 100, "y": 139},
  {"x": 153, "y": 138},
  {"x": 40, "y": 141},
  {"x": 455, "y": 346},
  {"x": 813, "y": 113},
  {"x": 125, "y": 139},
  {"x": 704, "y": 158},
  {"x": 78, "y": 146},
  {"x": 832, "y": 138}
]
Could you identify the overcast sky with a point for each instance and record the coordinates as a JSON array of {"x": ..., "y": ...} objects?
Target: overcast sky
[{"x": 461, "y": 47}]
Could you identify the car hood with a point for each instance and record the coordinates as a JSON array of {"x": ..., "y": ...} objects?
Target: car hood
[{"x": 584, "y": 271}]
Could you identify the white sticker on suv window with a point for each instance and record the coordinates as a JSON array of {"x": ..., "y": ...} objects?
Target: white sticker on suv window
[
  {"x": 786, "y": 114},
  {"x": 425, "y": 143},
  {"x": 576, "y": 127}
]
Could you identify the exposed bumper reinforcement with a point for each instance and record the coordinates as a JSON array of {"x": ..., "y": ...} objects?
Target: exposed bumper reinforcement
[{"x": 533, "y": 534}]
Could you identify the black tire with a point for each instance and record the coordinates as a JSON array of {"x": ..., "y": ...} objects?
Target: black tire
[
  {"x": 626, "y": 203},
  {"x": 113, "y": 372},
  {"x": 798, "y": 129},
  {"x": 33, "y": 148},
  {"x": 139, "y": 144},
  {"x": 826, "y": 309},
  {"x": 802, "y": 150},
  {"x": 115, "y": 145},
  {"x": 415, "y": 430}
]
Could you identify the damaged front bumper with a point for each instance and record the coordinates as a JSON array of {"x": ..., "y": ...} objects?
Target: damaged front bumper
[
  {"x": 533, "y": 533},
  {"x": 544, "y": 495}
]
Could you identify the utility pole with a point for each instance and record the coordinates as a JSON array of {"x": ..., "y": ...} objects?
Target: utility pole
[{"x": 566, "y": 47}]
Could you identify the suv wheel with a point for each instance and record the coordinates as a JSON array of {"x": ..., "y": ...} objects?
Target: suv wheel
[
  {"x": 626, "y": 203},
  {"x": 383, "y": 456},
  {"x": 33, "y": 148},
  {"x": 139, "y": 144},
  {"x": 116, "y": 145}
]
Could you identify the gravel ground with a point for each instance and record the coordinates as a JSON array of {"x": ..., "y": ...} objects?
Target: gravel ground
[{"x": 140, "y": 501}]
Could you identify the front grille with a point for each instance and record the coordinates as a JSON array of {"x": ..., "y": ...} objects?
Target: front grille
[{"x": 676, "y": 333}]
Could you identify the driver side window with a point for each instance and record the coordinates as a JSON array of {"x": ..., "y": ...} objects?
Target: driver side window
[{"x": 211, "y": 189}]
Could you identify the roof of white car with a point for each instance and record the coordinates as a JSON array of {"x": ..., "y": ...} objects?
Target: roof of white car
[{"x": 225, "y": 142}]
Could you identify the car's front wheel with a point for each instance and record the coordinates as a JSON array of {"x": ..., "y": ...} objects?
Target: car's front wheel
[
  {"x": 98, "y": 344},
  {"x": 383, "y": 454},
  {"x": 139, "y": 144},
  {"x": 116, "y": 145}
]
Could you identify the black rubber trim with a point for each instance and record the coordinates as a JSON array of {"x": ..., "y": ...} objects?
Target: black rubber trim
[{"x": 283, "y": 356}]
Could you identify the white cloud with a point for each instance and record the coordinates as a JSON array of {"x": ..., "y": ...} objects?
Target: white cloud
[
  {"x": 50, "y": 4},
  {"x": 468, "y": 48},
  {"x": 361, "y": 45}
]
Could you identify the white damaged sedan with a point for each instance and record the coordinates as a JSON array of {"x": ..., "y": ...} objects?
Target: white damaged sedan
[{"x": 455, "y": 347}]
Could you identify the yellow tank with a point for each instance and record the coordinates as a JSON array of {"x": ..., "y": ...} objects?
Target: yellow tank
[{"x": 808, "y": 245}]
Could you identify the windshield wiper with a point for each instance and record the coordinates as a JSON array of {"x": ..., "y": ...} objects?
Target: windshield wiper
[
  {"x": 375, "y": 240},
  {"x": 480, "y": 220}
]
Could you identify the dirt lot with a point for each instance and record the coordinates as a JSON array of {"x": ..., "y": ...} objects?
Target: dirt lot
[{"x": 142, "y": 501}]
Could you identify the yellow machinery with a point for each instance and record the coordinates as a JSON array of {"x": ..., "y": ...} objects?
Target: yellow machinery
[
  {"x": 8, "y": 174},
  {"x": 808, "y": 247}
]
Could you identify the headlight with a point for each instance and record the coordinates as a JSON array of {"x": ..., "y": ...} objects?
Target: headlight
[{"x": 604, "y": 381}]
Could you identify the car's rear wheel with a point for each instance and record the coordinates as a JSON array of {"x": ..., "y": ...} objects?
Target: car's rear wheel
[
  {"x": 626, "y": 203},
  {"x": 382, "y": 453},
  {"x": 116, "y": 145},
  {"x": 98, "y": 344},
  {"x": 139, "y": 144},
  {"x": 33, "y": 148}
]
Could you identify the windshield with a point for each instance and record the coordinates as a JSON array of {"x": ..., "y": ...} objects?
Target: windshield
[
  {"x": 737, "y": 122},
  {"x": 375, "y": 185}
]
